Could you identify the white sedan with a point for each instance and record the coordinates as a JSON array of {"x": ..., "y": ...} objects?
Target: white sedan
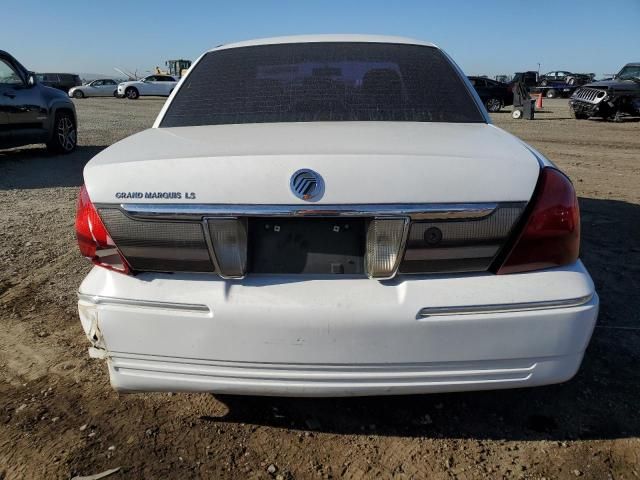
[
  {"x": 330, "y": 216},
  {"x": 153, "y": 85},
  {"x": 104, "y": 87}
]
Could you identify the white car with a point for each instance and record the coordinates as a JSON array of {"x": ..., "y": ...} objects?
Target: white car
[
  {"x": 153, "y": 85},
  {"x": 104, "y": 87},
  {"x": 330, "y": 216}
]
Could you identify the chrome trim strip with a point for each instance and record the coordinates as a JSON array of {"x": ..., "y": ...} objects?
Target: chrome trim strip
[
  {"x": 127, "y": 302},
  {"x": 503, "y": 308},
  {"x": 413, "y": 210}
]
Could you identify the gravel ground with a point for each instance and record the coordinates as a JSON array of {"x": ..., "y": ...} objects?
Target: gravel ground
[{"x": 60, "y": 418}]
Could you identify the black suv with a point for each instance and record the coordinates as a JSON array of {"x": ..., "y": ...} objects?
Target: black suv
[
  {"x": 611, "y": 99},
  {"x": 61, "y": 81},
  {"x": 33, "y": 113},
  {"x": 493, "y": 94}
]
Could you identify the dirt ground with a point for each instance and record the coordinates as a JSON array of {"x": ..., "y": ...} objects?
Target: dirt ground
[{"x": 59, "y": 417}]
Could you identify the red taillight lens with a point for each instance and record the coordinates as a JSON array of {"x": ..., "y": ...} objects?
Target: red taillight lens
[
  {"x": 551, "y": 234},
  {"x": 93, "y": 239}
]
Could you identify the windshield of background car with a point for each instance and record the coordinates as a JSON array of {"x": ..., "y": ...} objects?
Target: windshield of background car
[
  {"x": 632, "y": 71},
  {"x": 330, "y": 81}
]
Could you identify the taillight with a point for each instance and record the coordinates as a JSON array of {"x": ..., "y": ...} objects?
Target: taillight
[
  {"x": 550, "y": 236},
  {"x": 229, "y": 240},
  {"x": 93, "y": 239},
  {"x": 385, "y": 240}
]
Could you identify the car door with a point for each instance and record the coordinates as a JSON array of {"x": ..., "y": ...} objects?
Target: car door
[
  {"x": 481, "y": 87},
  {"x": 5, "y": 138},
  {"x": 101, "y": 88},
  {"x": 67, "y": 82},
  {"x": 22, "y": 104},
  {"x": 500, "y": 91},
  {"x": 168, "y": 85},
  {"x": 490, "y": 88},
  {"x": 165, "y": 84},
  {"x": 108, "y": 87},
  {"x": 152, "y": 86},
  {"x": 93, "y": 89},
  {"x": 52, "y": 80},
  {"x": 6, "y": 79}
]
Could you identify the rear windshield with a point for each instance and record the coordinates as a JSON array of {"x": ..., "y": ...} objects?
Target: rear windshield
[{"x": 310, "y": 82}]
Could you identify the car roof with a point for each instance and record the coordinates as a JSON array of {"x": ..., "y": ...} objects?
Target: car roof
[{"x": 325, "y": 38}]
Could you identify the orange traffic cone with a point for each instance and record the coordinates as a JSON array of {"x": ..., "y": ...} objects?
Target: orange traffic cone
[{"x": 538, "y": 101}]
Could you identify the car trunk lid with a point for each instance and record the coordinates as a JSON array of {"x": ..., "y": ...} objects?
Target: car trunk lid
[
  {"x": 360, "y": 162},
  {"x": 414, "y": 198}
]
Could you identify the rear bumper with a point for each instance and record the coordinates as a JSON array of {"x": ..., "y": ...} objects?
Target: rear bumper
[{"x": 339, "y": 337}]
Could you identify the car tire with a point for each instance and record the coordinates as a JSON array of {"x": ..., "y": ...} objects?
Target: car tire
[
  {"x": 543, "y": 83},
  {"x": 578, "y": 115},
  {"x": 78, "y": 94},
  {"x": 517, "y": 114},
  {"x": 618, "y": 117},
  {"x": 551, "y": 93},
  {"x": 571, "y": 80},
  {"x": 493, "y": 105},
  {"x": 132, "y": 93},
  {"x": 115, "y": 93},
  {"x": 65, "y": 134}
]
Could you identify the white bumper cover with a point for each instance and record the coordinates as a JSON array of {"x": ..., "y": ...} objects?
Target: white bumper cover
[{"x": 341, "y": 336}]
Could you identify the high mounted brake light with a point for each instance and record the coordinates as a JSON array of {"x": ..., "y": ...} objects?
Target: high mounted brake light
[
  {"x": 550, "y": 236},
  {"x": 93, "y": 239}
]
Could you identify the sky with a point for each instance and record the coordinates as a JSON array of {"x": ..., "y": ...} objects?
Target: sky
[{"x": 489, "y": 37}]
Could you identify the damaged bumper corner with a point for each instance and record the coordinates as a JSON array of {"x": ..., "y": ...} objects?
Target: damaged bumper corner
[
  {"x": 88, "y": 311},
  {"x": 584, "y": 108}
]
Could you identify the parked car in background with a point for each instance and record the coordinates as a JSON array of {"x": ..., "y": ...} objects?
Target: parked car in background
[
  {"x": 61, "y": 81},
  {"x": 493, "y": 94},
  {"x": 330, "y": 215},
  {"x": 104, "y": 87},
  {"x": 609, "y": 99},
  {"x": 503, "y": 78},
  {"x": 31, "y": 112},
  {"x": 562, "y": 76},
  {"x": 549, "y": 88},
  {"x": 157, "y": 85}
]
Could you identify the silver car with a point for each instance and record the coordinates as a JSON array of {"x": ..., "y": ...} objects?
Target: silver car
[{"x": 104, "y": 87}]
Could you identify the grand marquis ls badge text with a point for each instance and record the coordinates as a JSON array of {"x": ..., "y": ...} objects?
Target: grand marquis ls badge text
[{"x": 156, "y": 195}]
